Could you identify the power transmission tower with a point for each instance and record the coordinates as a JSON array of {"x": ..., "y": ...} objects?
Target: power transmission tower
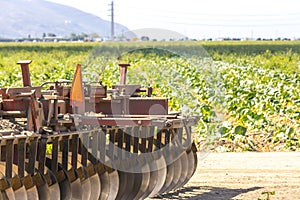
[{"x": 112, "y": 25}]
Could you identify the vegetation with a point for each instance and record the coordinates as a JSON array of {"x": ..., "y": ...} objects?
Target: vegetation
[{"x": 248, "y": 93}]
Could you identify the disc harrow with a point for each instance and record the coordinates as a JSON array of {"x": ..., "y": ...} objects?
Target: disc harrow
[{"x": 75, "y": 140}]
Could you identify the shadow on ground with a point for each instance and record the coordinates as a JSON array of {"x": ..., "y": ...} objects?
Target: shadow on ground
[{"x": 205, "y": 193}]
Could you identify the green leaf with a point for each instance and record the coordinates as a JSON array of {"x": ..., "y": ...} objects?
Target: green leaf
[{"x": 240, "y": 130}]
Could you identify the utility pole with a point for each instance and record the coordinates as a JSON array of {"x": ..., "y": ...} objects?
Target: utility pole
[{"x": 112, "y": 31}]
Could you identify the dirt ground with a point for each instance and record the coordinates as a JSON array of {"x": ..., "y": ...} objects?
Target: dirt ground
[{"x": 259, "y": 176}]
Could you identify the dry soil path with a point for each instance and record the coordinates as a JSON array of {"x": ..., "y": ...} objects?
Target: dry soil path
[{"x": 243, "y": 176}]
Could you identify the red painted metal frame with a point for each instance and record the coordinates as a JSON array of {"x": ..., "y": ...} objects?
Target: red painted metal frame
[
  {"x": 123, "y": 72},
  {"x": 25, "y": 72}
]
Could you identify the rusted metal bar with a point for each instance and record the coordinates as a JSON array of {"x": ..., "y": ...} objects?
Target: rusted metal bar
[
  {"x": 42, "y": 153},
  {"x": 65, "y": 152},
  {"x": 188, "y": 132},
  {"x": 94, "y": 143},
  {"x": 84, "y": 142},
  {"x": 33, "y": 112},
  {"x": 101, "y": 143},
  {"x": 112, "y": 139},
  {"x": 74, "y": 150},
  {"x": 123, "y": 72},
  {"x": 150, "y": 139},
  {"x": 21, "y": 156},
  {"x": 158, "y": 141},
  {"x": 127, "y": 138},
  {"x": 120, "y": 140},
  {"x": 25, "y": 72},
  {"x": 180, "y": 135},
  {"x": 166, "y": 142},
  {"x": 115, "y": 121},
  {"x": 136, "y": 130},
  {"x": 144, "y": 130},
  {"x": 32, "y": 154},
  {"x": 167, "y": 137},
  {"x": 128, "y": 142},
  {"x": 9, "y": 157},
  {"x": 54, "y": 162}
]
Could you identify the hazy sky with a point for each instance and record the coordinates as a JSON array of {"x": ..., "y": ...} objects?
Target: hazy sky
[{"x": 203, "y": 19}]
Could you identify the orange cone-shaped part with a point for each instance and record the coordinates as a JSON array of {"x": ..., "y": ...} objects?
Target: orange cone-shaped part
[{"x": 77, "y": 93}]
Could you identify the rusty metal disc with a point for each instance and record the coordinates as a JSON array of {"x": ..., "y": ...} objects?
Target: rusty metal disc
[
  {"x": 154, "y": 176},
  {"x": 137, "y": 178},
  {"x": 162, "y": 174},
  {"x": 20, "y": 193},
  {"x": 42, "y": 186},
  {"x": 130, "y": 180},
  {"x": 64, "y": 185},
  {"x": 126, "y": 185},
  {"x": 95, "y": 183},
  {"x": 145, "y": 171},
  {"x": 6, "y": 190},
  {"x": 62, "y": 180},
  {"x": 190, "y": 170},
  {"x": 112, "y": 180},
  {"x": 126, "y": 179},
  {"x": 72, "y": 177},
  {"x": 90, "y": 182},
  {"x": 122, "y": 185},
  {"x": 8, "y": 193},
  {"x": 18, "y": 186},
  {"x": 113, "y": 184},
  {"x": 89, "y": 179},
  {"x": 76, "y": 187},
  {"x": 183, "y": 173},
  {"x": 194, "y": 150},
  {"x": 103, "y": 176},
  {"x": 105, "y": 185},
  {"x": 95, "y": 187},
  {"x": 53, "y": 185},
  {"x": 171, "y": 164},
  {"x": 85, "y": 182},
  {"x": 31, "y": 189},
  {"x": 177, "y": 173}
]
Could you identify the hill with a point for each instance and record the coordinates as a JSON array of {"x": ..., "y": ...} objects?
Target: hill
[{"x": 21, "y": 18}]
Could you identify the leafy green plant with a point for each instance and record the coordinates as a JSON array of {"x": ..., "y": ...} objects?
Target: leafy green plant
[{"x": 247, "y": 92}]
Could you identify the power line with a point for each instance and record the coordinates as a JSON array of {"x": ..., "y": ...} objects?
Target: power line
[
  {"x": 183, "y": 18},
  {"x": 181, "y": 12},
  {"x": 235, "y": 25},
  {"x": 219, "y": 22},
  {"x": 293, "y": 19}
]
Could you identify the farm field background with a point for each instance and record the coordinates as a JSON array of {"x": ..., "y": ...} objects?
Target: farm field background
[{"x": 248, "y": 93}]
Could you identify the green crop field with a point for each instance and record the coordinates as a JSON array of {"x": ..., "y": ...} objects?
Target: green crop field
[{"x": 248, "y": 93}]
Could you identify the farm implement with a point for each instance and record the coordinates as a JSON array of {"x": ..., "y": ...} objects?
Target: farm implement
[{"x": 78, "y": 140}]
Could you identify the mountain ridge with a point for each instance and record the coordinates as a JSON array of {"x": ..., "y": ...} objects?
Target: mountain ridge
[{"x": 34, "y": 18}]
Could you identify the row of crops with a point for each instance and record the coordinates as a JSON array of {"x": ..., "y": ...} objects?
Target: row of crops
[{"x": 248, "y": 93}]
